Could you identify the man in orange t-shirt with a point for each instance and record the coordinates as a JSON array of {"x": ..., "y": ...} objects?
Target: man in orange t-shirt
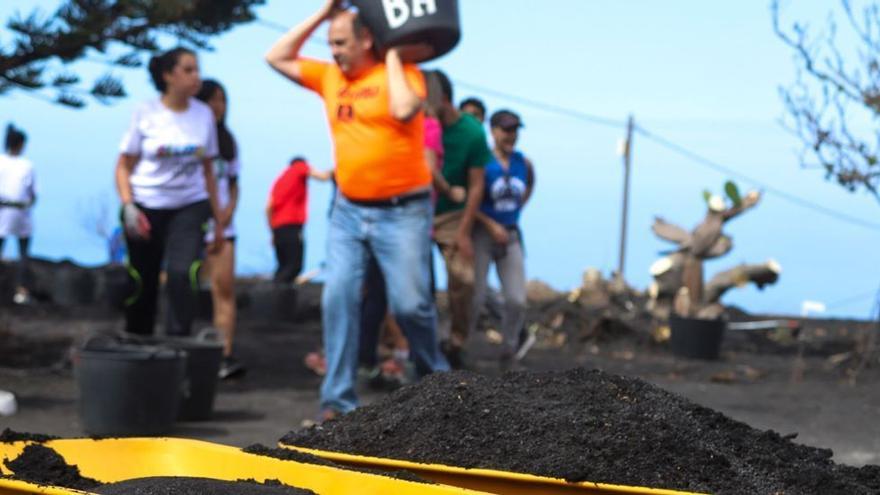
[{"x": 383, "y": 207}]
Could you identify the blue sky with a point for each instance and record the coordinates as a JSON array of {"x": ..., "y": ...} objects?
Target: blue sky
[{"x": 704, "y": 75}]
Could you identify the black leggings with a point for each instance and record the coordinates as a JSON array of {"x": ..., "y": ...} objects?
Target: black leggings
[
  {"x": 21, "y": 274},
  {"x": 288, "y": 241},
  {"x": 177, "y": 236}
]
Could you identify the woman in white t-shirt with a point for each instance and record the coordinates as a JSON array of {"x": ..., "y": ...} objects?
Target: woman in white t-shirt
[
  {"x": 17, "y": 196},
  {"x": 165, "y": 179},
  {"x": 221, "y": 263}
]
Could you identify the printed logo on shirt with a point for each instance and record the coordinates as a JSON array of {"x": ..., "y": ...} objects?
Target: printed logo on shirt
[
  {"x": 506, "y": 193},
  {"x": 185, "y": 159},
  {"x": 171, "y": 151},
  {"x": 358, "y": 94}
]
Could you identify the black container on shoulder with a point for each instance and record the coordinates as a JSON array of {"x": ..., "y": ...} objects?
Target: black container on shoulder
[{"x": 402, "y": 22}]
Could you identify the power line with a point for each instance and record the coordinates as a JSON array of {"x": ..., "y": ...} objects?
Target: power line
[
  {"x": 272, "y": 25},
  {"x": 853, "y": 299},
  {"x": 547, "y": 107},
  {"x": 616, "y": 123},
  {"x": 791, "y": 198}
]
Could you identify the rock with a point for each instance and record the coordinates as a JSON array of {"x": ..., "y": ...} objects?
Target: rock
[{"x": 539, "y": 292}]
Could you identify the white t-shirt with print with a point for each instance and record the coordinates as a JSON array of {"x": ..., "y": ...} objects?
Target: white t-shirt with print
[
  {"x": 224, "y": 171},
  {"x": 17, "y": 185},
  {"x": 171, "y": 146}
]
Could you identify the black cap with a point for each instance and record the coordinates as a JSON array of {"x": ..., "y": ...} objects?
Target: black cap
[{"x": 505, "y": 119}]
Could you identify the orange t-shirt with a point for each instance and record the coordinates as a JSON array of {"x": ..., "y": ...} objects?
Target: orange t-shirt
[{"x": 377, "y": 156}]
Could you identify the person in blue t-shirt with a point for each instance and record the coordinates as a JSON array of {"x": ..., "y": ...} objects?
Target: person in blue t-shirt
[{"x": 497, "y": 238}]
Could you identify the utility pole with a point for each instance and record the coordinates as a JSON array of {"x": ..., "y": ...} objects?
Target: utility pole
[{"x": 626, "y": 151}]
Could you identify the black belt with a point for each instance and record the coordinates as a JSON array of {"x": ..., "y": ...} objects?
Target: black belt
[{"x": 389, "y": 202}]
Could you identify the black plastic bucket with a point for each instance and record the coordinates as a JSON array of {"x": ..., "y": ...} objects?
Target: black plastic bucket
[
  {"x": 401, "y": 22},
  {"x": 270, "y": 301},
  {"x": 204, "y": 353},
  {"x": 202, "y": 367},
  {"x": 127, "y": 389},
  {"x": 695, "y": 338}
]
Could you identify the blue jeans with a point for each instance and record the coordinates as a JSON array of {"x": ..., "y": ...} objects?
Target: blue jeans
[{"x": 399, "y": 238}]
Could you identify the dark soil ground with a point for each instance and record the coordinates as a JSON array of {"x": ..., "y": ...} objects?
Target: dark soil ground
[
  {"x": 583, "y": 426},
  {"x": 816, "y": 386}
]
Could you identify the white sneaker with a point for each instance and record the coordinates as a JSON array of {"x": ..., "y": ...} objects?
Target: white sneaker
[{"x": 21, "y": 298}]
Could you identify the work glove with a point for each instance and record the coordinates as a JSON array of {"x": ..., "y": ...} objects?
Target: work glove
[{"x": 135, "y": 222}]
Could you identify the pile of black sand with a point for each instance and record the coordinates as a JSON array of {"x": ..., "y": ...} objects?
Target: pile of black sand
[
  {"x": 169, "y": 485},
  {"x": 583, "y": 425},
  {"x": 42, "y": 465}
]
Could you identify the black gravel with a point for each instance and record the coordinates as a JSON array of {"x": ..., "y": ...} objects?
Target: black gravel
[
  {"x": 583, "y": 425},
  {"x": 168, "y": 485},
  {"x": 10, "y": 436},
  {"x": 42, "y": 465}
]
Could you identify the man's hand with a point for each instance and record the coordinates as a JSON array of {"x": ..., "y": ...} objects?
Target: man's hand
[
  {"x": 464, "y": 246},
  {"x": 226, "y": 217},
  {"x": 219, "y": 238},
  {"x": 499, "y": 233},
  {"x": 135, "y": 222},
  {"x": 457, "y": 194},
  {"x": 333, "y": 6}
]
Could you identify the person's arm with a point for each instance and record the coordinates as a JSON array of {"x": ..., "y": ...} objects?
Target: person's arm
[
  {"x": 32, "y": 190},
  {"x": 403, "y": 101},
  {"x": 456, "y": 194},
  {"x": 496, "y": 230},
  {"x": 229, "y": 212},
  {"x": 216, "y": 213},
  {"x": 269, "y": 212},
  {"x": 134, "y": 221},
  {"x": 441, "y": 185},
  {"x": 283, "y": 55},
  {"x": 476, "y": 182},
  {"x": 530, "y": 181},
  {"x": 322, "y": 175},
  {"x": 124, "y": 167}
]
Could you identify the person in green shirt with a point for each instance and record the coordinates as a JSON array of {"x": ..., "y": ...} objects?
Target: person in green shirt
[{"x": 466, "y": 154}]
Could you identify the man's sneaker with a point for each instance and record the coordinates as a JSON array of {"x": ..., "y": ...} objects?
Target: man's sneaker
[{"x": 230, "y": 368}]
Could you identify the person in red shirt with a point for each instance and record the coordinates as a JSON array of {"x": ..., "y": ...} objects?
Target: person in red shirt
[{"x": 287, "y": 212}]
